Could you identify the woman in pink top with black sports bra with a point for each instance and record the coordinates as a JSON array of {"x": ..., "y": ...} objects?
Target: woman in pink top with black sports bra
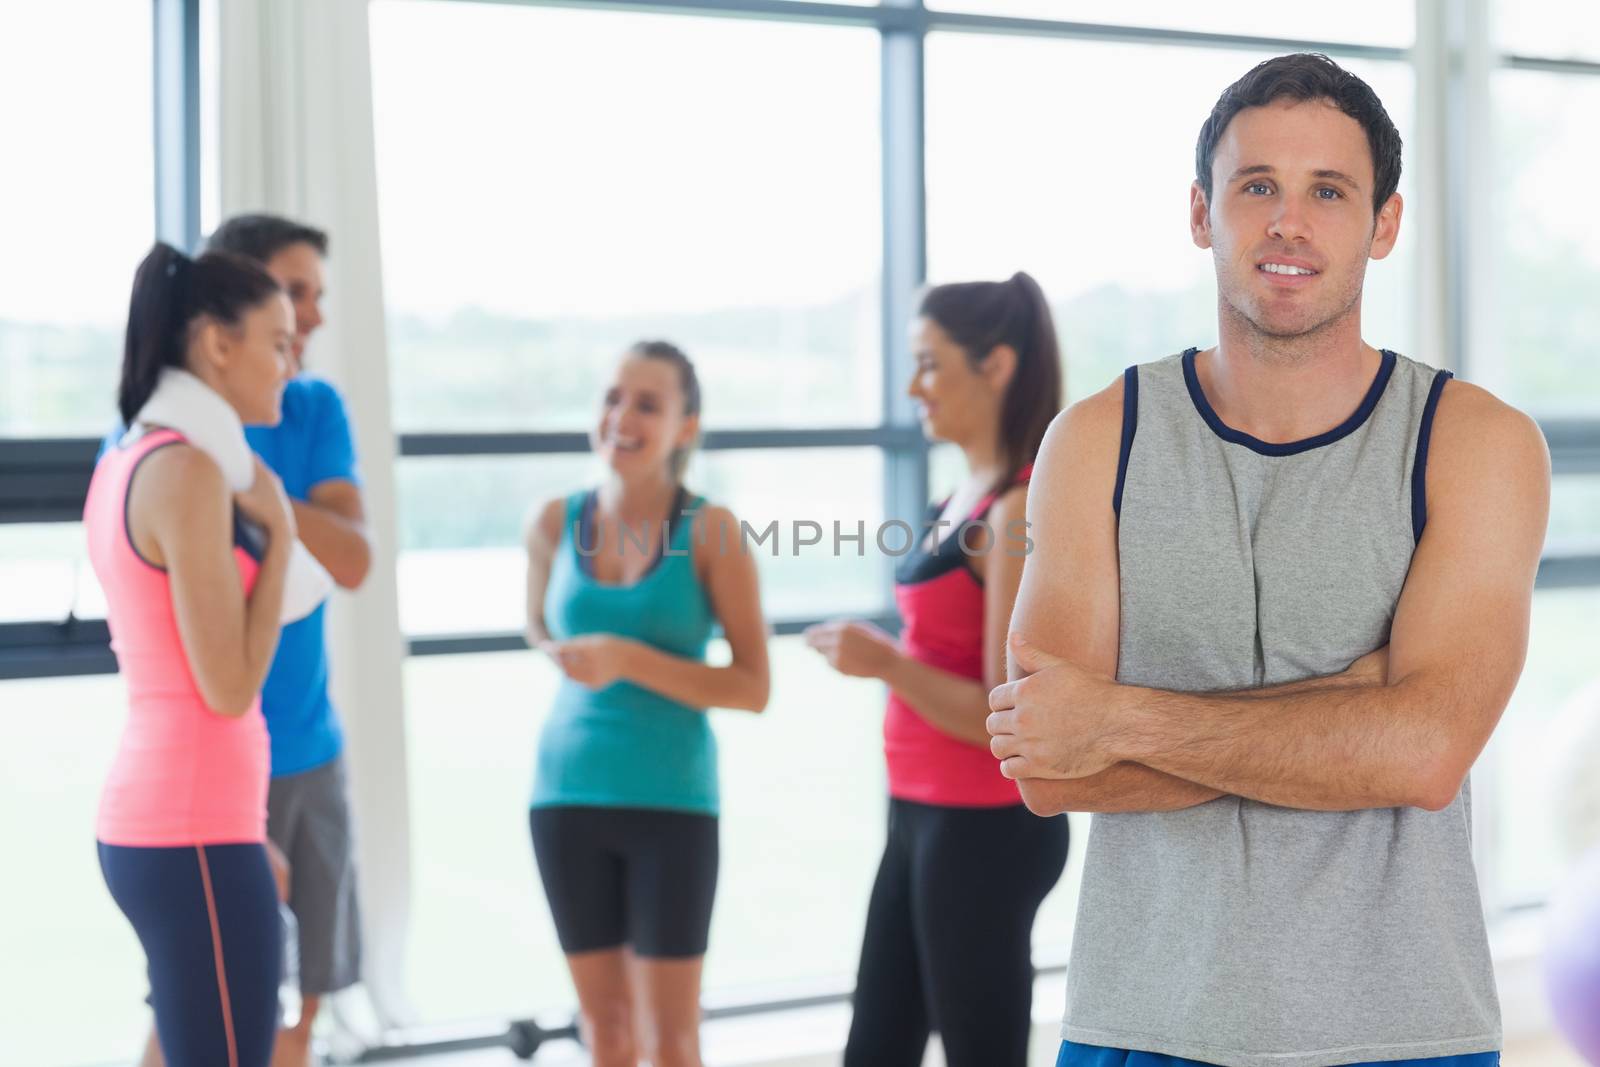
[
  {"x": 966, "y": 865},
  {"x": 192, "y": 600}
]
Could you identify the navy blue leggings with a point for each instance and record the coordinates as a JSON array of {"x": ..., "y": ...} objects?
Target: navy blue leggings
[{"x": 207, "y": 916}]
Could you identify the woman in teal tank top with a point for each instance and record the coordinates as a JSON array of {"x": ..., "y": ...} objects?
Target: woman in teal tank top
[{"x": 625, "y": 583}]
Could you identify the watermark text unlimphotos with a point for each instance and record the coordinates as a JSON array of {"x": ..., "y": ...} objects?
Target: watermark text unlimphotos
[{"x": 973, "y": 537}]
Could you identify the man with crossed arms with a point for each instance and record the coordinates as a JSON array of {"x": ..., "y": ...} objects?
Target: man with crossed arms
[{"x": 1278, "y": 600}]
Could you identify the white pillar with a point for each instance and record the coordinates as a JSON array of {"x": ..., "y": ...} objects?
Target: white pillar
[
  {"x": 296, "y": 138},
  {"x": 1428, "y": 156}
]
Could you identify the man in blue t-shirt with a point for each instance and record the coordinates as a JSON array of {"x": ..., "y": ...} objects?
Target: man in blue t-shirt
[{"x": 308, "y": 810}]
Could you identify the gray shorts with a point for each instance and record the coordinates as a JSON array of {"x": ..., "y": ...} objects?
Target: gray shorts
[{"x": 308, "y": 817}]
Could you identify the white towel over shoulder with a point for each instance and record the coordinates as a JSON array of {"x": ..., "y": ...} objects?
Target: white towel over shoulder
[{"x": 184, "y": 403}]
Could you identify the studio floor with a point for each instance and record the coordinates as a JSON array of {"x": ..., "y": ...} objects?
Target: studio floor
[
  {"x": 812, "y": 1037},
  {"x": 1544, "y": 1053}
]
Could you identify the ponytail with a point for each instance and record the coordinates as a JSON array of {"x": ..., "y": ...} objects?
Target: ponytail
[
  {"x": 981, "y": 316},
  {"x": 170, "y": 291},
  {"x": 156, "y": 315}
]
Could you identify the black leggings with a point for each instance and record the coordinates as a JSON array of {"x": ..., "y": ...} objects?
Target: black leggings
[{"x": 947, "y": 945}]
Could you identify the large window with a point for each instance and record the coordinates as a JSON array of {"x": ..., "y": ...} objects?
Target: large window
[
  {"x": 567, "y": 182},
  {"x": 74, "y": 975},
  {"x": 79, "y": 196},
  {"x": 1377, "y": 22},
  {"x": 1545, "y": 267},
  {"x": 1533, "y": 845},
  {"x": 44, "y": 570},
  {"x": 1537, "y": 274},
  {"x": 1554, "y": 29}
]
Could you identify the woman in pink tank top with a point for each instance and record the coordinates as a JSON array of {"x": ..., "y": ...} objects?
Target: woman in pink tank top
[
  {"x": 965, "y": 864},
  {"x": 193, "y": 574}
]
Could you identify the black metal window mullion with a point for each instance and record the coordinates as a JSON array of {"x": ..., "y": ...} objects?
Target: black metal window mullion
[
  {"x": 912, "y": 17},
  {"x": 177, "y": 121},
  {"x": 905, "y": 251},
  {"x": 415, "y": 445}
]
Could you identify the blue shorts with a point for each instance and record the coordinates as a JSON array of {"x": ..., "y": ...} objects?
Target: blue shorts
[{"x": 1076, "y": 1055}]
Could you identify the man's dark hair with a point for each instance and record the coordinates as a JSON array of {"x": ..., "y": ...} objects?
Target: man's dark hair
[
  {"x": 260, "y": 237},
  {"x": 1307, "y": 76}
]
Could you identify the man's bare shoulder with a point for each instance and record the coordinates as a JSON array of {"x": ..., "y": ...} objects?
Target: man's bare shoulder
[
  {"x": 1084, "y": 429},
  {"x": 1476, "y": 434}
]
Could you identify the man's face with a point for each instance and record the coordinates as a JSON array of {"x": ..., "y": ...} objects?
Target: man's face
[
  {"x": 298, "y": 268},
  {"x": 1289, "y": 222}
]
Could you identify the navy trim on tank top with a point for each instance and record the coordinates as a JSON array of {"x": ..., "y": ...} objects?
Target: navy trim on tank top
[
  {"x": 923, "y": 566},
  {"x": 1287, "y": 448},
  {"x": 585, "y": 535},
  {"x": 246, "y": 535},
  {"x": 1130, "y": 425},
  {"x": 920, "y": 565},
  {"x": 1419, "y": 469},
  {"x": 249, "y": 537},
  {"x": 127, "y": 498}
]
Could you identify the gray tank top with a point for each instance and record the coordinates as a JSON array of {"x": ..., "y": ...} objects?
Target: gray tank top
[{"x": 1235, "y": 932}]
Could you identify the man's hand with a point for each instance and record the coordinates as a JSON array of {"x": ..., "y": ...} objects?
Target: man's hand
[
  {"x": 1057, "y": 722},
  {"x": 333, "y": 526}
]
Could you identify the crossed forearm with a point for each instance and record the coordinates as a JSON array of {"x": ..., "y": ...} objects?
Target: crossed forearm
[
  {"x": 338, "y": 543},
  {"x": 1133, "y": 786},
  {"x": 1120, "y": 787},
  {"x": 1318, "y": 747}
]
